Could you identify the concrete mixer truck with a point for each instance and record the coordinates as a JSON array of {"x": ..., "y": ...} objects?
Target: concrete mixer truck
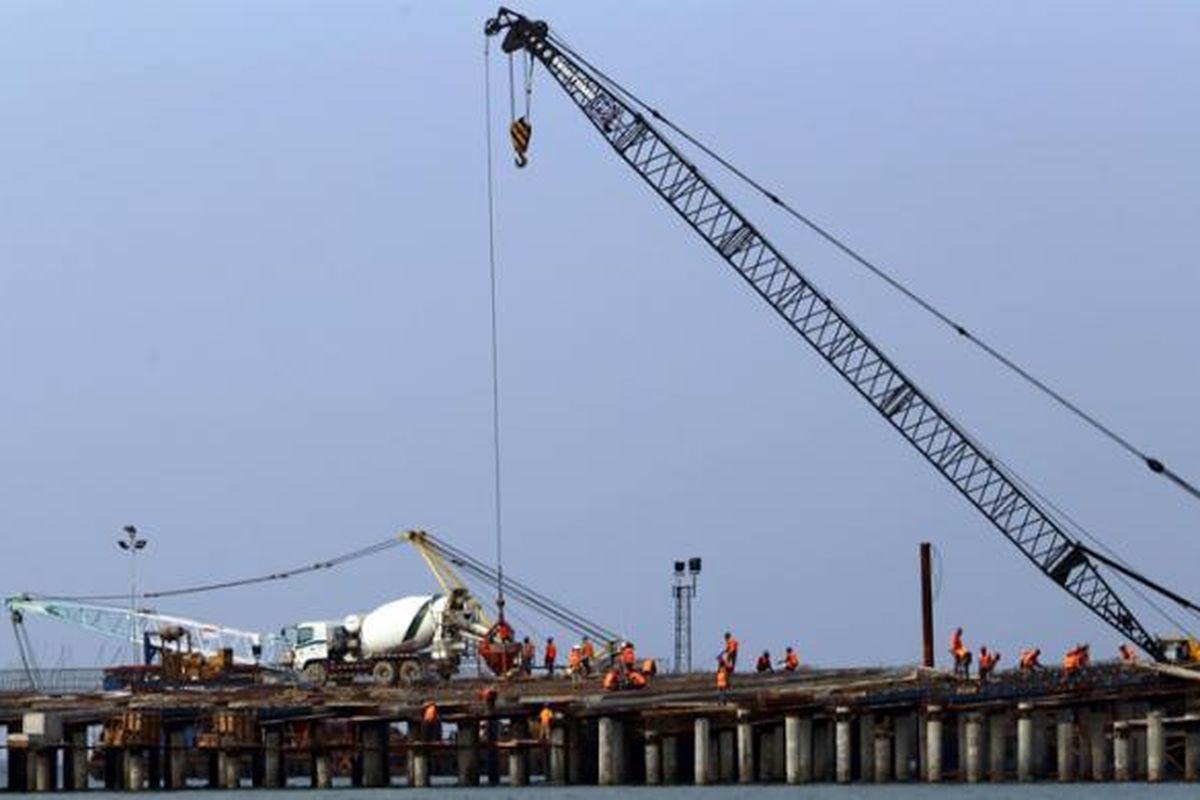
[{"x": 406, "y": 640}]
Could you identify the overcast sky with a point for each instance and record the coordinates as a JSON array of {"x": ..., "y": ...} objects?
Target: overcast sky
[{"x": 244, "y": 306}]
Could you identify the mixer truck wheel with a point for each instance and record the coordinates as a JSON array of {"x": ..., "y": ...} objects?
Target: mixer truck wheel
[
  {"x": 315, "y": 673},
  {"x": 384, "y": 673},
  {"x": 410, "y": 671}
]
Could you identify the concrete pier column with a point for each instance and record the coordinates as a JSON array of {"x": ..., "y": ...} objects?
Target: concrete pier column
[
  {"x": 1156, "y": 747},
  {"x": 1191, "y": 753},
  {"x": 518, "y": 756},
  {"x": 467, "y": 752},
  {"x": 997, "y": 747},
  {"x": 272, "y": 776},
  {"x": 558, "y": 756},
  {"x": 230, "y": 768},
  {"x": 798, "y": 734},
  {"x": 904, "y": 730},
  {"x": 653, "y": 758},
  {"x": 1120, "y": 742},
  {"x": 176, "y": 758},
  {"x": 745, "y": 751},
  {"x": 727, "y": 756},
  {"x": 135, "y": 769},
  {"x": 1064, "y": 727},
  {"x": 973, "y": 741},
  {"x": 373, "y": 738},
  {"x": 702, "y": 732},
  {"x": 883, "y": 753},
  {"x": 322, "y": 770},
  {"x": 866, "y": 748},
  {"x": 1098, "y": 745},
  {"x": 843, "y": 745},
  {"x": 45, "y": 769},
  {"x": 1025, "y": 755},
  {"x": 575, "y": 749},
  {"x": 933, "y": 744},
  {"x": 670, "y": 759},
  {"x": 605, "y": 756},
  {"x": 75, "y": 761}
]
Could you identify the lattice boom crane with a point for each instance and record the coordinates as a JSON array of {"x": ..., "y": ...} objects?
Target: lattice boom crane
[{"x": 965, "y": 463}]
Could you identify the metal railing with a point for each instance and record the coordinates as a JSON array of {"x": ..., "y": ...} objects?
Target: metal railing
[{"x": 53, "y": 681}]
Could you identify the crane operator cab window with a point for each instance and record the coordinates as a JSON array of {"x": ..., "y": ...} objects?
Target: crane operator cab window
[{"x": 304, "y": 635}]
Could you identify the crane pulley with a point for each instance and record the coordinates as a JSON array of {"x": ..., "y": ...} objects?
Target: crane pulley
[{"x": 1004, "y": 500}]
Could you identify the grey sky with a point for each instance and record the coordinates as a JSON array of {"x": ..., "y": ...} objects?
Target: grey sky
[{"x": 243, "y": 304}]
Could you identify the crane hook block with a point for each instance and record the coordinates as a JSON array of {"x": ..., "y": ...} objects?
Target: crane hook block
[{"x": 520, "y": 131}]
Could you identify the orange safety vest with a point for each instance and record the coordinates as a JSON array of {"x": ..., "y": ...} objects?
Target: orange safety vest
[
  {"x": 722, "y": 678},
  {"x": 731, "y": 646},
  {"x": 588, "y": 650},
  {"x": 431, "y": 713},
  {"x": 956, "y": 645},
  {"x": 546, "y": 717},
  {"x": 551, "y": 651},
  {"x": 791, "y": 662}
]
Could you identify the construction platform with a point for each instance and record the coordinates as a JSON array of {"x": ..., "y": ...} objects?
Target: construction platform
[{"x": 1108, "y": 722}]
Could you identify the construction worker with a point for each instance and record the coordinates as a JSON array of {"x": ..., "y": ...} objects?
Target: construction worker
[
  {"x": 731, "y": 651},
  {"x": 612, "y": 680},
  {"x": 649, "y": 667},
  {"x": 628, "y": 658},
  {"x": 575, "y": 663},
  {"x": 551, "y": 656},
  {"x": 962, "y": 656},
  {"x": 987, "y": 663},
  {"x": 791, "y": 661},
  {"x": 763, "y": 664},
  {"x": 546, "y": 718},
  {"x": 1128, "y": 654},
  {"x": 528, "y": 654},
  {"x": 1029, "y": 659},
  {"x": 1076, "y": 659},
  {"x": 588, "y": 655},
  {"x": 722, "y": 676},
  {"x": 429, "y": 720}
]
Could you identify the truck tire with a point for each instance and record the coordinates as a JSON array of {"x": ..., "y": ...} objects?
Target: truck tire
[
  {"x": 315, "y": 673},
  {"x": 384, "y": 673},
  {"x": 411, "y": 671}
]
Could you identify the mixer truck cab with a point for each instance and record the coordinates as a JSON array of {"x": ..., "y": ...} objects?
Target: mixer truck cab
[{"x": 407, "y": 639}]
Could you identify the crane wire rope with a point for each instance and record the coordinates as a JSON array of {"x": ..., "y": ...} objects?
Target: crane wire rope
[
  {"x": 491, "y": 216},
  {"x": 1154, "y": 464}
]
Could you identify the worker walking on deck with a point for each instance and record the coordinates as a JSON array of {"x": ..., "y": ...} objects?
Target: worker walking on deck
[
  {"x": 987, "y": 663},
  {"x": 587, "y": 655},
  {"x": 791, "y": 661},
  {"x": 1076, "y": 659},
  {"x": 722, "y": 676},
  {"x": 528, "y": 654},
  {"x": 1029, "y": 659},
  {"x": 731, "y": 651},
  {"x": 551, "y": 656},
  {"x": 763, "y": 664},
  {"x": 962, "y": 656}
]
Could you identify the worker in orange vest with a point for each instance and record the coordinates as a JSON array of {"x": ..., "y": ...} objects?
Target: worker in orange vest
[
  {"x": 528, "y": 654},
  {"x": 551, "y": 656},
  {"x": 962, "y": 656},
  {"x": 763, "y": 664},
  {"x": 791, "y": 661},
  {"x": 987, "y": 663},
  {"x": 429, "y": 719},
  {"x": 588, "y": 654},
  {"x": 1029, "y": 659},
  {"x": 1076, "y": 659},
  {"x": 1128, "y": 654},
  {"x": 546, "y": 718},
  {"x": 722, "y": 676},
  {"x": 628, "y": 657},
  {"x": 731, "y": 651}
]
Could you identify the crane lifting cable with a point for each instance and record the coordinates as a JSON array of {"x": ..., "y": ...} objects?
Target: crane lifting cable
[{"x": 1154, "y": 464}]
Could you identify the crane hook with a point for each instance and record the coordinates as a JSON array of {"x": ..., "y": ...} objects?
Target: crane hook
[{"x": 521, "y": 131}]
